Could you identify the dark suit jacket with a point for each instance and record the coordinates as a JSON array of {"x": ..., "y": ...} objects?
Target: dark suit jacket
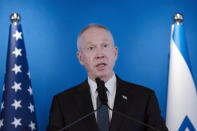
[{"x": 141, "y": 104}]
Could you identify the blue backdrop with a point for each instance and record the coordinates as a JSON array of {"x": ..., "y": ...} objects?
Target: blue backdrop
[{"x": 141, "y": 30}]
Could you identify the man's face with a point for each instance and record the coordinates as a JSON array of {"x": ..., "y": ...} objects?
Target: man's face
[{"x": 97, "y": 53}]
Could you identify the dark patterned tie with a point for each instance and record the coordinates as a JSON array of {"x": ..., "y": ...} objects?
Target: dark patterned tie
[{"x": 102, "y": 116}]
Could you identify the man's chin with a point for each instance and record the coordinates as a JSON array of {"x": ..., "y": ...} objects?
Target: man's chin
[
  {"x": 99, "y": 76},
  {"x": 102, "y": 76}
]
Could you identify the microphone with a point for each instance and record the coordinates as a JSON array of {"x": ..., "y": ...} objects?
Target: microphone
[{"x": 101, "y": 89}]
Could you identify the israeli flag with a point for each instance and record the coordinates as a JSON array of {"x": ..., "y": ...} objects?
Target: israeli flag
[{"x": 181, "y": 112}]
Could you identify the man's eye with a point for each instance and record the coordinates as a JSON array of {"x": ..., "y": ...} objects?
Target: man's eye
[
  {"x": 105, "y": 45},
  {"x": 90, "y": 48}
]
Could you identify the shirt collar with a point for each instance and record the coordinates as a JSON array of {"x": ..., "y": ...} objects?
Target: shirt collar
[{"x": 92, "y": 85}]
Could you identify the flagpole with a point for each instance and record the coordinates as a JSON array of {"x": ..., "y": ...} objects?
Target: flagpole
[
  {"x": 17, "y": 106},
  {"x": 182, "y": 96}
]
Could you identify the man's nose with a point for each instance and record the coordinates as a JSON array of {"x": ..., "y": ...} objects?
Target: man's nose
[
  {"x": 99, "y": 53},
  {"x": 99, "y": 56}
]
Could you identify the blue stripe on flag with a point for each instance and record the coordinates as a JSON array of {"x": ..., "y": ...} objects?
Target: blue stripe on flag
[{"x": 179, "y": 39}]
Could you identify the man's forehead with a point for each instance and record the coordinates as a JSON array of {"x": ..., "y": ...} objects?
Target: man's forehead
[
  {"x": 89, "y": 42},
  {"x": 93, "y": 41},
  {"x": 95, "y": 35}
]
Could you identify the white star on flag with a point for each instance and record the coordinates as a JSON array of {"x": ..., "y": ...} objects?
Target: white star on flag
[
  {"x": 16, "y": 104},
  {"x": 16, "y": 86},
  {"x": 1, "y": 123},
  {"x": 30, "y": 90},
  {"x": 17, "y": 35},
  {"x": 16, "y": 69},
  {"x": 28, "y": 73},
  {"x": 17, "y": 52},
  {"x": 16, "y": 122},
  {"x": 31, "y": 108},
  {"x": 32, "y": 126},
  {"x": 2, "y": 105}
]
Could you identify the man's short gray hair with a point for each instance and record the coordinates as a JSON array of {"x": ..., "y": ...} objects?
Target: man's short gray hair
[{"x": 88, "y": 27}]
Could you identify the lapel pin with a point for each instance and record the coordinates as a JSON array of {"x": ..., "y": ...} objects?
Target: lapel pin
[{"x": 124, "y": 97}]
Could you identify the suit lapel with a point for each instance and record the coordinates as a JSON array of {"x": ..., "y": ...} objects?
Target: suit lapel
[
  {"x": 85, "y": 106},
  {"x": 120, "y": 105}
]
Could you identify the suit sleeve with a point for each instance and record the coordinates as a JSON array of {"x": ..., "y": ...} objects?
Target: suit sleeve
[
  {"x": 56, "y": 120},
  {"x": 154, "y": 114}
]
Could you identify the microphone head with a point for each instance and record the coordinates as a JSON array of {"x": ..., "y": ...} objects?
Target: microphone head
[
  {"x": 97, "y": 80},
  {"x": 101, "y": 90}
]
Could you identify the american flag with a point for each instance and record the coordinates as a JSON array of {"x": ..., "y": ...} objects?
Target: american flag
[{"x": 17, "y": 107}]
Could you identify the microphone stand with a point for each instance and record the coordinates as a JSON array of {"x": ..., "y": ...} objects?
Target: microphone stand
[
  {"x": 103, "y": 98},
  {"x": 78, "y": 120},
  {"x": 119, "y": 113},
  {"x": 132, "y": 119}
]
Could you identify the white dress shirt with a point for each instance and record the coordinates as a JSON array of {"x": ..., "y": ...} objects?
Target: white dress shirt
[{"x": 111, "y": 87}]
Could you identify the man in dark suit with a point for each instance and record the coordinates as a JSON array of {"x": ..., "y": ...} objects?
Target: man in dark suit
[{"x": 98, "y": 54}]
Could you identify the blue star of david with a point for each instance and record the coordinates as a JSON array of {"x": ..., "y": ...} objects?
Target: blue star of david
[{"x": 187, "y": 124}]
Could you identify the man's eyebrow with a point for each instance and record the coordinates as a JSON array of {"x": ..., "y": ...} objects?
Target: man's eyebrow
[
  {"x": 105, "y": 39},
  {"x": 90, "y": 43}
]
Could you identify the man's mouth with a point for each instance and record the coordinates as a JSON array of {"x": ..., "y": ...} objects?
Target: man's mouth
[{"x": 101, "y": 66}]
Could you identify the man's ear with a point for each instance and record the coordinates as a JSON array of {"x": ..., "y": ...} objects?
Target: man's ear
[
  {"x": 79, "y": 56},
  {"x": 116, "y": 51}
]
